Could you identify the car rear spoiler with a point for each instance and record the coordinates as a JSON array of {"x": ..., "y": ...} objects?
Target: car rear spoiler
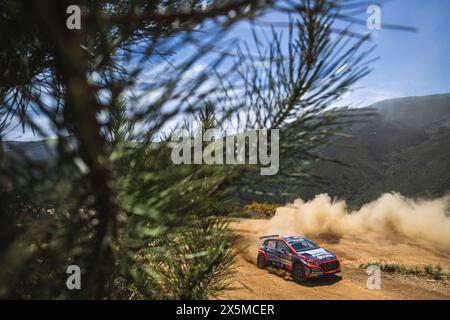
[{"x": 269, "y": 236}]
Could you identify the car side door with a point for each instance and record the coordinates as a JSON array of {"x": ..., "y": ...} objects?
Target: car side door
[
  {"x": 272, "y": 253},
  {"x": 285, "y": 255}
]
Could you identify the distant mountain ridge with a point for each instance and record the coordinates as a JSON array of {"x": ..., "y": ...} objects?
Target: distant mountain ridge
[{"x": 404, "y": 147}]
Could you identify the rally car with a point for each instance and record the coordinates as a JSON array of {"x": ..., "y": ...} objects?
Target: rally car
[{"x": 299, "y": 255}]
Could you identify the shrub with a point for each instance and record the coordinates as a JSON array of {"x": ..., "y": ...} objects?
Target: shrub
[
  {"x": 429, "y": 271},
  {"x": 262, "y": 209}
]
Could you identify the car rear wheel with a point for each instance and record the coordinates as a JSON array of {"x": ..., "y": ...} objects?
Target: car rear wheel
[
  {"x": 298, "y": 272},
  {"x": 261, "y": 261}
]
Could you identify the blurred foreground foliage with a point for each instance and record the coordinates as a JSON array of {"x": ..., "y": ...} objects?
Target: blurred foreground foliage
[{"x": 113, "y": 202}]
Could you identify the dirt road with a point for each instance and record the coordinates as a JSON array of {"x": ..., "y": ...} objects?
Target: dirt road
[{"x": 250, "y": 282}]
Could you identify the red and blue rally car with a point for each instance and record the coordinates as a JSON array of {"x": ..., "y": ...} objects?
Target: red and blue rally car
[{"x": 299, "y": 255}]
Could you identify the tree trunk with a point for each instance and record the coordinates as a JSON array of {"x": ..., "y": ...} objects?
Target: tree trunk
[{"x": 80, "y": 116}]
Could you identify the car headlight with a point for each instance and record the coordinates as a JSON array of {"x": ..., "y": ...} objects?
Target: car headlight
[{"x": 312, "y": 263}]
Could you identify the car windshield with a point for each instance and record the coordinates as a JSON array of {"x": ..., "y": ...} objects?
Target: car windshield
[{"x": 303, "y": 245}]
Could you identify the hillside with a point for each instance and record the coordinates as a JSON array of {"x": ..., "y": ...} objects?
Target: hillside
[{"x": 404, "y": 147}]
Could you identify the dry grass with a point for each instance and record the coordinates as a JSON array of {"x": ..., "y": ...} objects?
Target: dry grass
[{"x": 427, "y": 271}]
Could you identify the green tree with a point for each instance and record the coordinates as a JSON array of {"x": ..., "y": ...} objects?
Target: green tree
[{"x": 137, "y": 225}]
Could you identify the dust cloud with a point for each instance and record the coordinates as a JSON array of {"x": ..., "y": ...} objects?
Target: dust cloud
[{"x": 392, "y": 216}]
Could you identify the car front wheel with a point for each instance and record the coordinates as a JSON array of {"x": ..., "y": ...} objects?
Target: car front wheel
[{"x": 298, "y": 272}]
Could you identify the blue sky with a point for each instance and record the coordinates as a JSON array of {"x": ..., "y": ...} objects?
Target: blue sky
[{"x": 410, "y": 64}]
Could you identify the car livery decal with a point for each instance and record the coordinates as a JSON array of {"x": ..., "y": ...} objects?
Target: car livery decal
[
  {"x": 318, "y": 254},
  {"x": 286, "y": 259}
]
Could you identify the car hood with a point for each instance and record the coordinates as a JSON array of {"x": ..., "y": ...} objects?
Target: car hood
[{"x": 318, "y": 254}]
